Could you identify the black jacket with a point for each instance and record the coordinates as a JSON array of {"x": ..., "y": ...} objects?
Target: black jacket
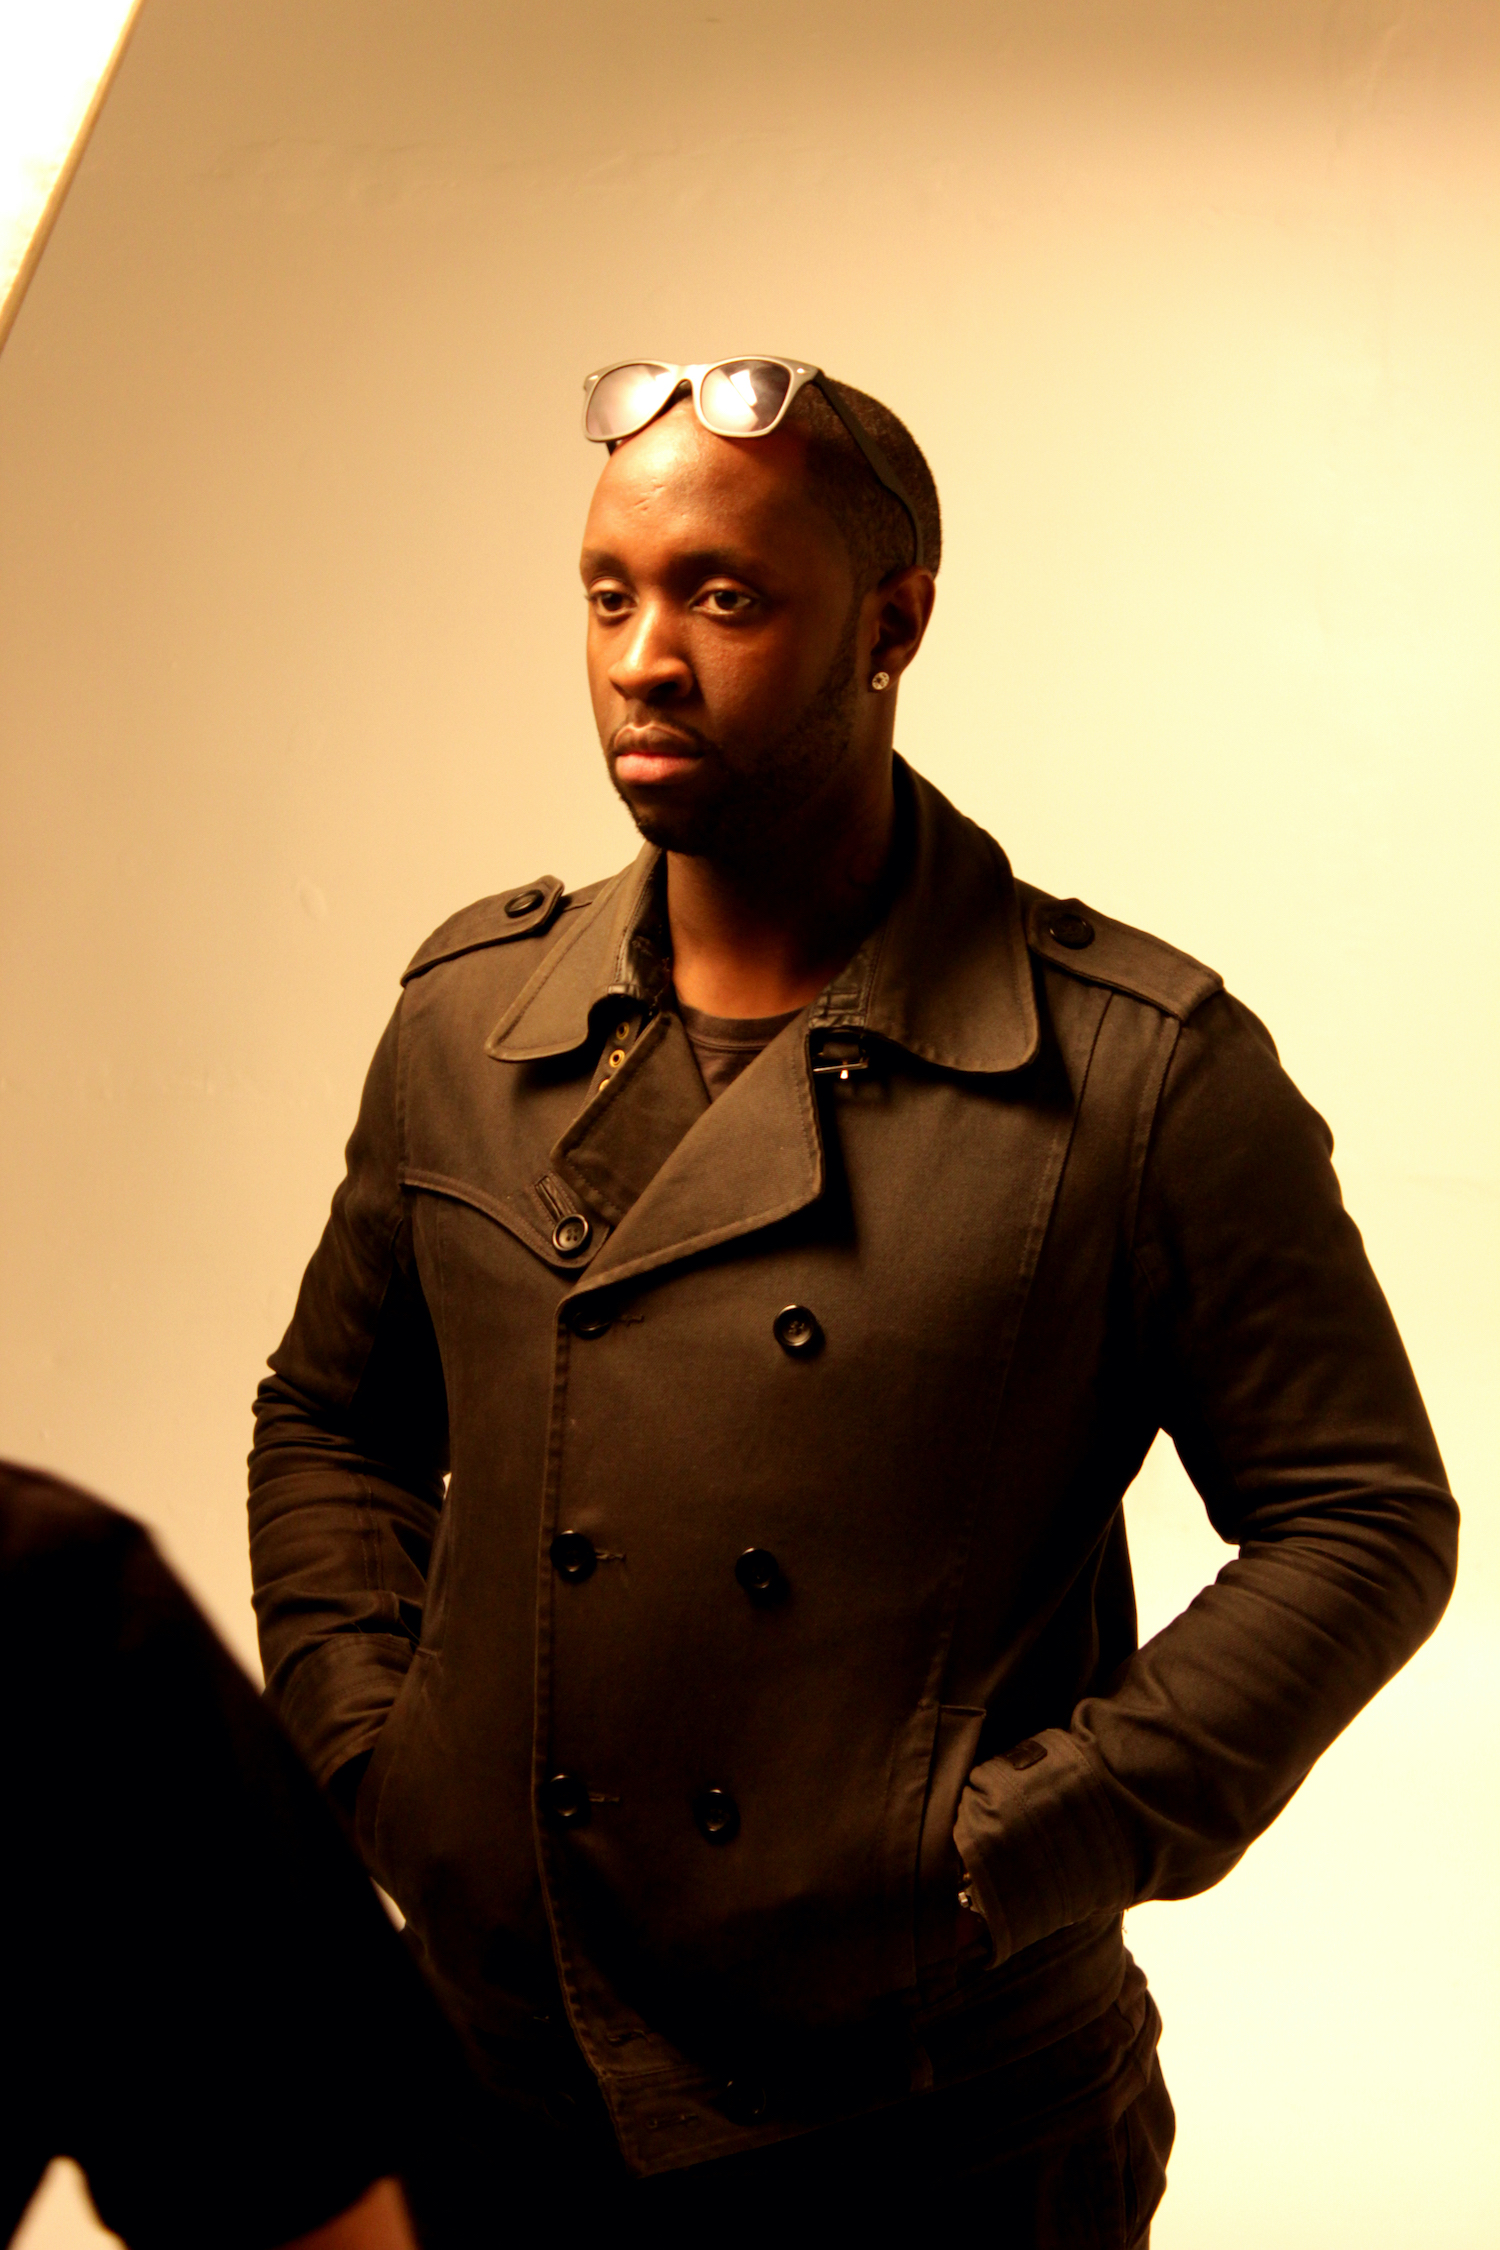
[{"x": 1043, "y": 1189}]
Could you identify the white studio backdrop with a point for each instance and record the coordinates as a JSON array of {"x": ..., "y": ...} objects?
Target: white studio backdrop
[{"x": 1194, "y": 310}]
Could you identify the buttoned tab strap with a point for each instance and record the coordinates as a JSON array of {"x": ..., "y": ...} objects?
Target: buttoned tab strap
[
  {"x": 523, "y": 912},
  {"x": 838, "y": 1054},
  {"x": 565, "y": 1224},
  {"x": 1094, "y": 948}
]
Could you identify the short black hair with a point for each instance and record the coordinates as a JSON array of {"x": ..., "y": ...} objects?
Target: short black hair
[{"x": 874, "y": 525}]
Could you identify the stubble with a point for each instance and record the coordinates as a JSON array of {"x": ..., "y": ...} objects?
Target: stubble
[{"x": 759, "y": 799}]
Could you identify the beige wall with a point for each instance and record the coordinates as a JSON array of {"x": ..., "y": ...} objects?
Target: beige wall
[{"x": 1194, "y": 307}]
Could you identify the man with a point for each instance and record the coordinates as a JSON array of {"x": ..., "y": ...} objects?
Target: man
[
  {"x": 200, "y": 1987},
  {"x": 794, "y": 1244}
]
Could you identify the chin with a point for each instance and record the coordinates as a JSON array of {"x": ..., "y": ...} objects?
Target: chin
[
  {"x": 689, "y": 829},
  {"x": 689, "y": 838}
]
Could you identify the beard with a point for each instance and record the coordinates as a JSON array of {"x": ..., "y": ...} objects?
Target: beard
[{"x": 741, "y": 815}]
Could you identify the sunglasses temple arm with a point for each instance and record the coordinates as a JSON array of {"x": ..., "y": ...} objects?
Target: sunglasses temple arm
[{"x": 880, "y": 467}]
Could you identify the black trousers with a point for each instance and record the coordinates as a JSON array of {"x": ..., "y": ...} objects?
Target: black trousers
[{"x": 1091, "y": 2181}]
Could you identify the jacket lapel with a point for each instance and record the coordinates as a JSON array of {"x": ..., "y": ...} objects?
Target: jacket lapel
[
  {"x": 751, "y": 1158},
  {"x": 621, "y": 1138}
]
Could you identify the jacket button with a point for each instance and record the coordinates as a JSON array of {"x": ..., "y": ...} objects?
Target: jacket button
[
  {"x": 573, "y": 1556},
  {"x": 564, "y": 1801},
  {"x": 590, "y": 1317},
  {"x": 522, "y": 902},
  {"x": 571, "y": 1235},
  {"x": 796, "y": 1330},
  {"x": 743, "y": 2101},
  {"x": 1072, "y": 930},
  {"x": 759, "y": 1573},
  {"x": 717, "y": 1815}
]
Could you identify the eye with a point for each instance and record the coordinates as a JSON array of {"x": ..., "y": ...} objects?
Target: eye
[
  {"x": 726, "y": 601},
  {"x": 607, "y": 601}
]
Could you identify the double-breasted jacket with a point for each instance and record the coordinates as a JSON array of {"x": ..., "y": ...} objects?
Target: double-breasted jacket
[{"x": 709, "y": 1515}]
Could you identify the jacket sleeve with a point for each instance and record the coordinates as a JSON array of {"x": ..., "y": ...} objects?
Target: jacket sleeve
[
  {"x": 351, "y": 1447},
  {"x": 1270, "y": 1355}
]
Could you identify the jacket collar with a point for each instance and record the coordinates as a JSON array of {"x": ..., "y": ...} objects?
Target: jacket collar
[
  {"x": 946, "y": 974},
  {"x": 613, "y": 950}
]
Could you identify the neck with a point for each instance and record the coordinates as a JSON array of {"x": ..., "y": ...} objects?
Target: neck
[{"x": 763, "y": 935}]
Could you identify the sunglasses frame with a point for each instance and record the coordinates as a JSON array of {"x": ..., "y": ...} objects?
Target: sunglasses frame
[{"x": 694, "y": 375}]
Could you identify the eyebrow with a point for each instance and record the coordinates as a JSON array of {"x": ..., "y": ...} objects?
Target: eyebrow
[{"x": 699, "y": 562}]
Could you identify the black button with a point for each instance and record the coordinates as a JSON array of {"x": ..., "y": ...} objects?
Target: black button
[
  {"x": 573, "y": 1556},
  {"x": 717, "y": 1815},
  {"x": 523, "y": 902},
  {"x": 743, "y": 2101},
  {"x": 759, "y": 1573},
  {"x": 590, "y": 1317},
  {"x": 1072, "y": 930},
  {"x": 564, "y": 1801},
  {"x": 796, "y": 1330},
  {"x": 1026, "y": 1754},
  {"x": 571, "y": 1235}
]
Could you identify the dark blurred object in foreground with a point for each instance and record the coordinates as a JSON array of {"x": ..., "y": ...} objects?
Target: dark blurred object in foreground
[{"x": 204, "y": 2004}]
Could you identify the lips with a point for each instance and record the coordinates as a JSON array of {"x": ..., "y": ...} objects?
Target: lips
[{"x": 652, "y": 754}]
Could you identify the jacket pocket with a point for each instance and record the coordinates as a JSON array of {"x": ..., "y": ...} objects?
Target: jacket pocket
[
  {"x": 382, "y": 1762},
  {"x": 954, "y": 1743}
]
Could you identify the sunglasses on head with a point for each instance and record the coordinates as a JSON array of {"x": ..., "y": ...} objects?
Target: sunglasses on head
[{"x": 735, "y": 398}]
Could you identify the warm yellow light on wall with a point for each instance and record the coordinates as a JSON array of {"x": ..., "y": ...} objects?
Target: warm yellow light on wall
[{"x": 56, "y": 61}]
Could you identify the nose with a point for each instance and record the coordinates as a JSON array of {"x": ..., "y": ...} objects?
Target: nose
[{"x": 651, "y": 666}]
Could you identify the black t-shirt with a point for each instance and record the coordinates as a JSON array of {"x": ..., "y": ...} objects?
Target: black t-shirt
[
  {"x": 203, "y": 2002},
  {"x": 723, "y": 1046}
]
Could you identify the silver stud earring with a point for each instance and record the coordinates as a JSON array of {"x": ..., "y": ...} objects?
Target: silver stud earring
[{"x": 879, "y": 680}]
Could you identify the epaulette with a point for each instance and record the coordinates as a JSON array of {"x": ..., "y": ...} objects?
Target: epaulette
[
  {"x": 1088, "y": 944},
  {"x": 525, "y": 912}
]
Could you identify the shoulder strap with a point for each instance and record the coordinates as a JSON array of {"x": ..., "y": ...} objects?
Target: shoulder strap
[
  {"x": 491, "y": 921},
  {"x": 1071, "y": 936}
]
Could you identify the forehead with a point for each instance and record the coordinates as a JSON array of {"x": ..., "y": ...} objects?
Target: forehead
[{"x": 674, "y": 480}]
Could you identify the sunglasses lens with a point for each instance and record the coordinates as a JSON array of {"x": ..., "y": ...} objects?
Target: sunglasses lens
[
  {"x": 741, "y": 397},
  {"x": 625, "y": 399}
]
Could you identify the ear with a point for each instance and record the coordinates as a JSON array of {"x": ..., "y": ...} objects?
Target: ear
[{"x": 895, "y": 617}]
